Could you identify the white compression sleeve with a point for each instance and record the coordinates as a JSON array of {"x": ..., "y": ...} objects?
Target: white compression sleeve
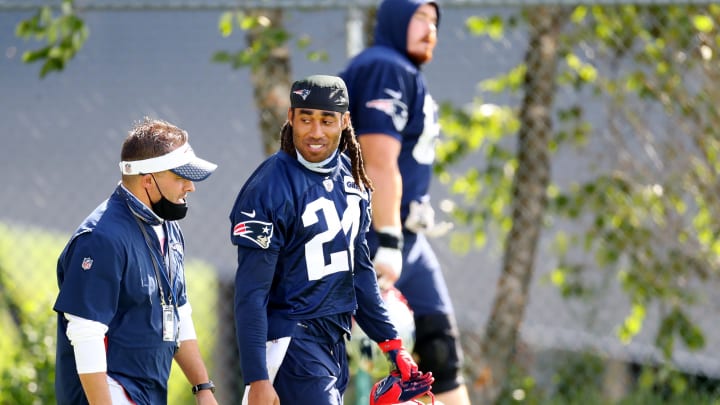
[
  {"x": 88, "y": 340},
  {"x": 187, "y": 328}
]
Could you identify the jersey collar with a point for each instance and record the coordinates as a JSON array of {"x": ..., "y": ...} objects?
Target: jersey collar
[
  {"x": 137, "y": 207},
  {"x": 326, "y": 166}
]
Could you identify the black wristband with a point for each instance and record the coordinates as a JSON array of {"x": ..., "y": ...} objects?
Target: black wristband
[
  {"x": 390, "y": 240},
  {"x": 204, "y": 386}
]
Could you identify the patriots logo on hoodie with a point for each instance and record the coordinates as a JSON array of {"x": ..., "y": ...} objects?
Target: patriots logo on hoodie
[
  {"x": 257, "y": 231},
  {"x": 394, "y": 107}
]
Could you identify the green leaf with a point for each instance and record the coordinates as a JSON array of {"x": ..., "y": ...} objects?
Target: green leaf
[
  {"x": 24, "y": 28},
  {"x": 66, "y": 7},
  {"x": 63, "y": 35},
  {"x": 633, "y": 323},
  {"x": 578, "y": 15},
  {"x": 492, "y": 26},
  {"x": 38, "y": 54},
  {"x": 247, "y": 22},
  {"x": 303, "y": 42},
  {"x": 225, "y": 23},
  {"x": 221, "y": 57},
  {"x": 558, "y": 277},
  {"x": 318, "y": 56},
  {"x": 51, "y": 65},
  {"x": 703, "y": 23},
  {"x": 476, "y": 25}
]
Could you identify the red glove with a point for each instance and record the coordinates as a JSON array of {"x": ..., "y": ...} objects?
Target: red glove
[
  {"x": 400, "y": 357},
  {"x": 391, "y": 390}
]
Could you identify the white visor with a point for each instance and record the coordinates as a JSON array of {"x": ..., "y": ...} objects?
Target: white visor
[{"x": 182, "y": 161}]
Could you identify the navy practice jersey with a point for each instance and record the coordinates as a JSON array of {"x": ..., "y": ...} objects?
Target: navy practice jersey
[
  {"x": 106, "y": 274},
  {"x": 302, "y": 255},
  {"x": 388, "y": 95}
]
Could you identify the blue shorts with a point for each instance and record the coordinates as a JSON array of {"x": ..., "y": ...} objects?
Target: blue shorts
[{"x": 313, "y": 373}]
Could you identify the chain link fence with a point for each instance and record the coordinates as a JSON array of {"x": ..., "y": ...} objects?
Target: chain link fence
[{"x": 578, "y": 161}]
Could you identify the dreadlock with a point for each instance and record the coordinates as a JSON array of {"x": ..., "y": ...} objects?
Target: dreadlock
[
  {"x": 286, "y": 139},
  {"x": 348, "y": 142}
]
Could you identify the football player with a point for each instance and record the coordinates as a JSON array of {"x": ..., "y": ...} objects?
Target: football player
[
  {"x": 396, "y": 122},
  {"x": 304, "y": 269}
]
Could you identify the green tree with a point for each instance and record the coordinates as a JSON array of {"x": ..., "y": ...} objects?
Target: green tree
[
  {"x": 643, "y": 215},
  {"x": 64, "y": 35},
  {"x": 531, "y": 167},
  {"x": 267, "y": 56}
]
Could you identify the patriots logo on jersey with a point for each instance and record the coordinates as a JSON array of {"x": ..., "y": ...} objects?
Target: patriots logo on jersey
[
  {"x": 393, "y": 107},
  {"x": 257, "y": 231},
  {"x": 302, "y": 93}
]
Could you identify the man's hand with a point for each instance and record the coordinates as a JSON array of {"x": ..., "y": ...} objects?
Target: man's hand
[
  {"x": 205, "y": 397},
  {"x": 388, "y": 259},
  {"x": 262, "y": 392},
  {"x": 421, "y": 219},
  {"x": 403, "y": 361},
  {"x": 388, "y": 266}
]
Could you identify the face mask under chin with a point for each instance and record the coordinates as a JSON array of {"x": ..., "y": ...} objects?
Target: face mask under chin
[{"x": 165, "y": 208}]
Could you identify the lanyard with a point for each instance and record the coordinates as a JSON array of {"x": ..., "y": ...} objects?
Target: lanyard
[{"x": 156, "y": 267}]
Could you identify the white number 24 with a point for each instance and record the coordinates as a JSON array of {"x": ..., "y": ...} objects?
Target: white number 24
[{"x": 314, "y": 256}]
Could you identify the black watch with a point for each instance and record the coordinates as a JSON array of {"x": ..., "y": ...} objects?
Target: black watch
[{"x": 204, "y": 386}]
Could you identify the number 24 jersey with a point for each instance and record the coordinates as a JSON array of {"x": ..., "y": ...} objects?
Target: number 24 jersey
[{"x": 312, "y": 225}]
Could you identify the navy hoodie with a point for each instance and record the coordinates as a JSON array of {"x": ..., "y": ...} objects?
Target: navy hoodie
[{"x": 388, "y": 95}]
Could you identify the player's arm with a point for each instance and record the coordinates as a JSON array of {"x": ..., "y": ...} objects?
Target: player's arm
[
  {"x": 190, "y": 361},
  {"x": 88, "y": 340},
  {"x": 373, "y": 318},
  {"x": 188, "y": 356},
  {"x": 380, "y": 156},
  {"x": 253, "y": 279},
  {"x": 371, "y": 314},
  {"x": 96, "y": 388},
  {"x": 88, "y": 301}
]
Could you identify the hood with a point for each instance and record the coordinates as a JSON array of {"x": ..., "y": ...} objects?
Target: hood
[{"x": 393, "y": 19}]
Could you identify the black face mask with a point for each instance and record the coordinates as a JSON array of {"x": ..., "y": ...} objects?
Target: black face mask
[{"x": 165, "y": 208}]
